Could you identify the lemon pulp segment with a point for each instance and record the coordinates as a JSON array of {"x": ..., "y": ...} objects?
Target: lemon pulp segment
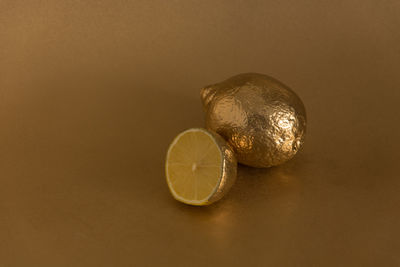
[{"x": 194, "y": 166}]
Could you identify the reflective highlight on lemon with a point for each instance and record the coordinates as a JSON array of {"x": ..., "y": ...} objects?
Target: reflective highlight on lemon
[
  {"x": 200, "y": 167},
  {"x": 261, "y": 118}
]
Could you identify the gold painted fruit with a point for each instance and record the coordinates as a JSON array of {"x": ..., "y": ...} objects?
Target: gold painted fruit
[
  {"x": 261, "y": 118},
  {"x": 200, "y": 167}
]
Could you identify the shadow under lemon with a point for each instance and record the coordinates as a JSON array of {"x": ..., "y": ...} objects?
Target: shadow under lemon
[{"x": 257, "y": 196}]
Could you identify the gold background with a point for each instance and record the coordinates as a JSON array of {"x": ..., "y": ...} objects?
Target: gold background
[{"x": 92, "y": 93}]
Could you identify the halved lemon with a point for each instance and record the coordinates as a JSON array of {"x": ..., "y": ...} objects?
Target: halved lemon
[{"x": 200, "y": 167}]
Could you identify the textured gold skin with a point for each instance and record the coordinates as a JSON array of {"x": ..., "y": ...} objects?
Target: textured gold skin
[
  {"x": 261, "y": 118},
  {"x": 228, "y": 172},
  {"x": 229, "y": 168}
]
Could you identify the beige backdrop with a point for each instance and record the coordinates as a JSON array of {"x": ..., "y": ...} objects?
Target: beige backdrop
[{"x": 92, "y": 93}]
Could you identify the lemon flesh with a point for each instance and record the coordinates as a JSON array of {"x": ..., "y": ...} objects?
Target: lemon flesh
[{"x": 194, "y": 167}]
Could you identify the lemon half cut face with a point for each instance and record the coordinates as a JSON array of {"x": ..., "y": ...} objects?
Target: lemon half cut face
[{"x": 200, "y": 167}]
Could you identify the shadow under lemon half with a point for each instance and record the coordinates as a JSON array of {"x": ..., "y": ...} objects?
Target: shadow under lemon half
[{"x": 200, "y": 167}]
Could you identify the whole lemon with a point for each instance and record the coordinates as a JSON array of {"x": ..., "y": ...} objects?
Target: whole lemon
[{"x": 261, "y": 118}]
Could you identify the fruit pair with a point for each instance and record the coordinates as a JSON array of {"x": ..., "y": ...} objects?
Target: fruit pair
[{"x": 252, "y": 119}]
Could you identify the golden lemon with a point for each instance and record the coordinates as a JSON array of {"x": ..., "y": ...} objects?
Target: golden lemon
[
  {"x": 200, "y": 167},
  {"x": 262, "y": 119}
]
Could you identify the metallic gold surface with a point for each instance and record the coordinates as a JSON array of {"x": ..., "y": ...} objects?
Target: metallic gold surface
[
  {"x": 263, "y": 119},
  {"x": 92, "y": 93},
  {"x": 228, "y": 169}
]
